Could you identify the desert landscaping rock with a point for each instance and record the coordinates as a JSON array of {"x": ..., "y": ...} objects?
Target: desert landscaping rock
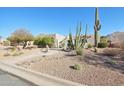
[
  {"x": 95, "y": 68},
  {"x": 60, "y": 65}
]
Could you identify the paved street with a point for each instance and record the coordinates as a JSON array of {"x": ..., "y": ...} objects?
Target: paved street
[{"x": 10, "y": 80}]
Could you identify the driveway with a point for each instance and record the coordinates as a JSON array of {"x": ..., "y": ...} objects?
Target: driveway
[{"x": 32, "y": 54}]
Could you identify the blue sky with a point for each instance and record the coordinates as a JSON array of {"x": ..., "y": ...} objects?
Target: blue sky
[{"x": 59, "y": 20}]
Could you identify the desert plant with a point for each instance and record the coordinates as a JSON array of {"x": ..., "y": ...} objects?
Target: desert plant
[
  {"x": 102, "y": 45},
  {"x": 77, "y": 67},
  {"x": 13, "y": 49},
  {"x": 20, "y": 53},
  {"x": 79, "y": 51},
  {"x": 70, "y": 41},
  {"x": 104, "y": 39},
  {"x": 47, "y": 41},
  {"x": 15, "y": 54},
  {"x": 21, "y": 35},
  {"x": 97, "y": 28},
  {"x": 113, "y": 62},
  {"x": 89, "y": 45},
  {"x": 6, "y": 43},
  {"x": 42, "y": 41},
  {"x": 37, "y": 39},
  {"x": 79, "y": 45}
]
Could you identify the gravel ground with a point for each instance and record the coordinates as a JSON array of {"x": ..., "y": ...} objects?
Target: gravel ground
[
  {"x": 61, "y": 66},
  {"x": 28, "y": 54}
]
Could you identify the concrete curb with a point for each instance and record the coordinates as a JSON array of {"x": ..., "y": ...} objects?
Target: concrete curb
[{"x": 35, "y": 77}]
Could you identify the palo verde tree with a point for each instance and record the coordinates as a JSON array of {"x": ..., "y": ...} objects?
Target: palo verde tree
[
  {"x": 21, "y": 35},
  {"x": 97, "y": 28}
]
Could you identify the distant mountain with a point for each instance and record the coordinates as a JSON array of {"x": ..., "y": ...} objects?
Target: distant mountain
[{"x": 116, "y": 36}]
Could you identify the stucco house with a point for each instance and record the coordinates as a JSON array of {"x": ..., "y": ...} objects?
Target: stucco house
[{"x": 57, "y": 39}]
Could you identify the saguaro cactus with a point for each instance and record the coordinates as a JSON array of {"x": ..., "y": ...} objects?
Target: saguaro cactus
[{"x": 97, "y": 28}]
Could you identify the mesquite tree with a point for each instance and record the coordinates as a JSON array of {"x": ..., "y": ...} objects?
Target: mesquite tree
[{"x": 21, "y": 35}]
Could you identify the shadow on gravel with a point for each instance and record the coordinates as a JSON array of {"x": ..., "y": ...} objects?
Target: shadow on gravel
[{"x": 116, "y": 64}]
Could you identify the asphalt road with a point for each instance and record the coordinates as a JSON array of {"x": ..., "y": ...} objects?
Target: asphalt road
[{"x": 7, "y": 79}]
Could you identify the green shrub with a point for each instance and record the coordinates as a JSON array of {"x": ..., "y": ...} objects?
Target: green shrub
[
  {"x": 102, "y": 45},
  {"x": 15, "y": 54},
  {"x": 89, "y": 46},
  {"x": 103, "y": 39},
  {"x": 43, "y": 41},
  {"x": 77, "y": 67},
  {"x": 20, "y": 53},
  {"x": 79, "y": 51},
  {"x": 37, "y": 40},
  {"x": 13, "y": 49},
  {"x": 6, "y": 43},
  {"x": 113, "y": 62}
]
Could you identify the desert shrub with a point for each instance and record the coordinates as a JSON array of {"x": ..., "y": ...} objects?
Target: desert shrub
[
  {"x": 79, "y": 51},
  {"x": 111, "y": 52},
  {"x": 13, "y": 49},
  {"x": 89, "y": 46},
  {"x": 19, "y": 36},
  {"x": 103, "y": 42},
  {"x": 6, "y": 43},
  {"x": 15, "y": 54},
  {"x": 113, "y": 62},
  {"x": 20, "y": 53},
  {"x": 76, "y": 67},
  {"x": 46, "y": 41},
  {"x": 6, "y": 54},
  {"x": 104, "y": 39},
  {"x": 37, "y": 40},
  {"x": 43, "y": 41},
  {"x": 102, "y": 45}
]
